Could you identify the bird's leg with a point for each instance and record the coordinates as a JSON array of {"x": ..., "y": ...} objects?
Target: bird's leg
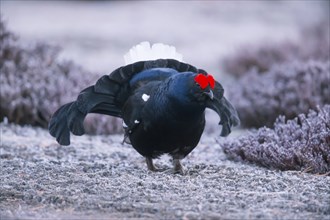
[
  {"x": 177, "y": 166},
  {"x": 150, "y": 164}
]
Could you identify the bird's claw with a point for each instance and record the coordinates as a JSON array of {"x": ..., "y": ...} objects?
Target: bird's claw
[{"x": 177, "y": 167}]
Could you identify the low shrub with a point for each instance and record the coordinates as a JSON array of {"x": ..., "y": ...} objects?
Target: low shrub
[
  {"x": 287, "y": 89},
  {"x": 34, "y": 83},
  {"x": 260, "y": 58},
  {"x": 299, "y": 144}
]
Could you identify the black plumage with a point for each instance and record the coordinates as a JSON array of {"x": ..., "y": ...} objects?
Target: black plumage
[{"x": 162, "y": 103}]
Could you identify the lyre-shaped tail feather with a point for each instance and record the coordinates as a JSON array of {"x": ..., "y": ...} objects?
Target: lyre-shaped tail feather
[
  {"x": 58, "y": 126},
  {"x": 227, "y": 112},
  {"x": 228, "y": 115},
  {"x": 70, "y": 117}
]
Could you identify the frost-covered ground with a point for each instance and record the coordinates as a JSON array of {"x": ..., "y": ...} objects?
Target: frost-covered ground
[{"x": 97, "y": 177}]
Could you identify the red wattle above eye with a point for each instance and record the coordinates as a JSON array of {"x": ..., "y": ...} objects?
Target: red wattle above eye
[
  {"x": 202, "y": 80},
  {"x": 211, "y": 81}
]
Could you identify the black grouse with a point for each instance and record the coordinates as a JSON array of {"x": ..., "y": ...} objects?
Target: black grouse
[{"x": 161, "y": 100}]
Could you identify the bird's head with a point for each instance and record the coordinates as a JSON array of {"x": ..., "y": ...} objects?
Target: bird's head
[
  {"x": 200, "y": 91},
  {"x": 204, "y": 86},
  {"x": 193, "y": 88}
]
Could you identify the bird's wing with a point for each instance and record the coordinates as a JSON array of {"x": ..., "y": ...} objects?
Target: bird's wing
[
  {"x": 108, "y": 96},
  {"x": 227, "y": 113},
  {"x": 134, "y": 106}
]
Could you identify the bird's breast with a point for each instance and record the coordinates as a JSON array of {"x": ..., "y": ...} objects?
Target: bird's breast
[{"x": 165, "y": 136}]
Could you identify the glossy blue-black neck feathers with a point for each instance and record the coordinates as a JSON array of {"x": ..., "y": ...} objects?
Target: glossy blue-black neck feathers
[{"x": 181, "y": 93}]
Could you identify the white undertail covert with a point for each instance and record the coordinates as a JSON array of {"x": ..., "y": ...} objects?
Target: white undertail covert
[{"x": 144, "y": 51}]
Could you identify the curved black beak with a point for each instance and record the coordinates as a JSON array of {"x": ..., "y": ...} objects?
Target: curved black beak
[{"x": 209, "y": 94}]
